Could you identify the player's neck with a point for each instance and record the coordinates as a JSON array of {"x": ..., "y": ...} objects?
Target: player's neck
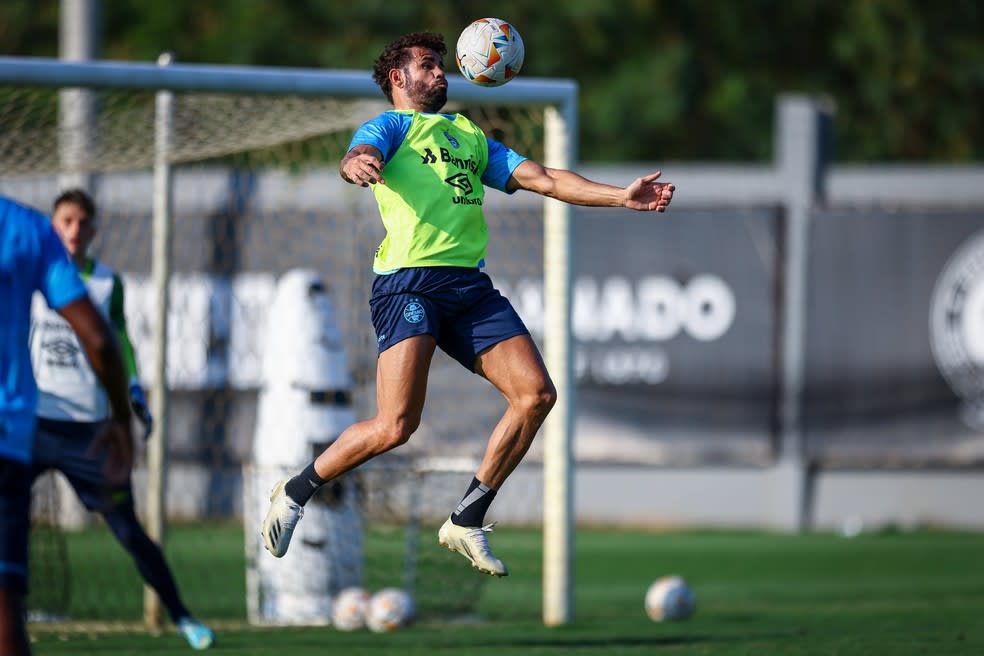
[
  {"x": 411, "y": 107},
  {"x": 402, "y": 103},
  {"x": 82, "y": 261}
]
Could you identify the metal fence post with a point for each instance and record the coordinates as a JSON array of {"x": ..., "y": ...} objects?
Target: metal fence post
[
  {"x": 803, "y": 130},
  {"x": 161, "y": 273}
]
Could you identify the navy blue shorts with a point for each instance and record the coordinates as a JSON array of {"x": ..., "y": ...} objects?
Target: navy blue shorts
[
  {"x": 15, "y": 524},
  {"x": 64, "y": 445},
  {"x": 457, "y": 305}
]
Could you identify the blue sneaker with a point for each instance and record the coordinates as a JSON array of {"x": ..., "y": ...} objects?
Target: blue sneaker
[{"x": 197, "y": 634}]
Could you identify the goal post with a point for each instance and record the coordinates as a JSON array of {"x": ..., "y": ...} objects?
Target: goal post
[
  {"x": 558, "y": 98},
  {"x": 558, "y": 458}
]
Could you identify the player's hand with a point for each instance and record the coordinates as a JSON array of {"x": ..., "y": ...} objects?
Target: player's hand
[
  {"x": 647, "y": 195},
  {"x": 140, "y": 408},
  {"x": 115, "y": 439},
  {"x": 363, "y": 169}
]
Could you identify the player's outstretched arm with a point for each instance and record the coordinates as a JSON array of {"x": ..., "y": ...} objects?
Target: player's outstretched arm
[
  {"x": 107, "y": 362},
  {"x": 644, "y": 194}
]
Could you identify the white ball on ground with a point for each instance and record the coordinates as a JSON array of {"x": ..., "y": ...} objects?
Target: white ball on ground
[
  {"x": 389, "y": 610},
  {"x": 670, "y": 598},
  {"x": 349, "y": 609}
]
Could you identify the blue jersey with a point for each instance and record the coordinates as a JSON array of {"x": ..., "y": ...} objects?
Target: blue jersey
[
  {"x": 388, "y": 130},
  {"x": 31, "y": 258}
]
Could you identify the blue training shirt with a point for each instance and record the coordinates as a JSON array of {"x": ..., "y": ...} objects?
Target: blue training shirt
[
  {"x": 387, "y": 131},
  {"x": 31, "y": 258}
]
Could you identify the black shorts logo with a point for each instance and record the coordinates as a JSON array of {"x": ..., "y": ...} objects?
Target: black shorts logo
[{"x": 413, "y": 312}]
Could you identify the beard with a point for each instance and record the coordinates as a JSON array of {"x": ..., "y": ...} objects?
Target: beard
[{"x": 431, "y": 97}]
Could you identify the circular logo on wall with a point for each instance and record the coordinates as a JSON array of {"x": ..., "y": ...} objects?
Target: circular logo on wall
[
  {"x": 413, "y": 312},
  {"x": 956, "y": 327}
]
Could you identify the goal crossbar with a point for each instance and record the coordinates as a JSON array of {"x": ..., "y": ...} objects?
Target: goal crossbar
[{"x": 39, "y": 71}]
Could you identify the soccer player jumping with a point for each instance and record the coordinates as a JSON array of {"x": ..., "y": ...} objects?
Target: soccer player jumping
[{"x": 428, "y": 172}]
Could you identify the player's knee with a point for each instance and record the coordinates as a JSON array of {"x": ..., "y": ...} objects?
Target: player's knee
[
  {"x": 547, "y": 398},
  {"x": 539, "y": 400},
  {"x": 125, "y": 526},
  {"x": 398, "y": 432}
]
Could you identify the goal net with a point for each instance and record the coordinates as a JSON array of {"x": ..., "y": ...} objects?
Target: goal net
[{"x": 256, "y": 194}]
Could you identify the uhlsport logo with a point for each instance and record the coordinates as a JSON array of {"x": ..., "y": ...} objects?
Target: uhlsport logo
[
  {"x": 460, "y": 181},
  {"x": 413, "y": 312},
  {"x": 61, "y": 353},
  {"x": 956, "y": 325}
]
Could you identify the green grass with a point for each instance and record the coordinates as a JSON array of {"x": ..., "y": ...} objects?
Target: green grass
[{"x": 757, "y": 593}]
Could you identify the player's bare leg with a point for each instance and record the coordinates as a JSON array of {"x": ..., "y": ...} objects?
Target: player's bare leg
[
  {"x": 517, "y": 371},
  {"x": 515, "y": 367},
  {"x": 401, "y": 387}
]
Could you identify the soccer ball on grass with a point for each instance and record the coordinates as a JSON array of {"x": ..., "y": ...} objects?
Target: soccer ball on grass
[
  {"x": 389, "y": 609},
  {"x": 348, "y": 610},
  {"x": 489, "y": 52},
  {"x": 670, "y": 598}
]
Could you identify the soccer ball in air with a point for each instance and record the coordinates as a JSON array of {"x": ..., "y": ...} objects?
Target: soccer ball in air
[
  {"x": 349, "y": 609},
  {"x": 489, "y": 52},
  {"x": 670, "y": 598},
  {"x": 389, "y": 610}
]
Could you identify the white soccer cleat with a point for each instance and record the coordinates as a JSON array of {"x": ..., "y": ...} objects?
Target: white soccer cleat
[
  {"x": 472, "y": 543},
  {"x": 280, "y": 520}
]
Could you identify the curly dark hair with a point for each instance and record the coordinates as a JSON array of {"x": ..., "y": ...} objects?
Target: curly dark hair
[{"x": 397, "y": 55}]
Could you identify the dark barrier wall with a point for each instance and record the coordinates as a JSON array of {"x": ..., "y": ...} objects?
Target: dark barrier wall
[
  {"x": 675, "y": 333},
  {"x": 676, "y": 324},
  {"x": 895, "y": 318}
]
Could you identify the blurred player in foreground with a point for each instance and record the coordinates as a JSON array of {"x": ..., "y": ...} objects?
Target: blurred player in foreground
[
  {"x": 428, "y": 171},
  {"x": 32, "y": 259},
  {"x": 72, "y": 407}
]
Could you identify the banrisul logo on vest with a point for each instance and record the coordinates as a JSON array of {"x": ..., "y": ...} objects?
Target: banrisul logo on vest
[
  {"x": 460, "y": 181},
  {"x": 956, "y": 324},
  {"x": 428, "y": 158}
]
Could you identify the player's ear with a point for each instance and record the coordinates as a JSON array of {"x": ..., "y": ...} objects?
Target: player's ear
[{"x": 396, "y": 77}]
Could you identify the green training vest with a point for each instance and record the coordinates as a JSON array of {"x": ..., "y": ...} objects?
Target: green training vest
[{"x": 431, "y": 204}]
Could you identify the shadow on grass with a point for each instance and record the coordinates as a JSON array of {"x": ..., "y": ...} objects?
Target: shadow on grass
[
  {"x": 587, "y": 642},
  {"x": 594, "y": 643},
  {"x": 404, "y": 643}
]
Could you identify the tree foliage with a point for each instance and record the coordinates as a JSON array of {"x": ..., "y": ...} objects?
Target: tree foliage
[{"x": 659, "y": 79}]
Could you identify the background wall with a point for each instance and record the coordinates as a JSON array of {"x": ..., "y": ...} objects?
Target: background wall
[{"x": 678, "y": 385}]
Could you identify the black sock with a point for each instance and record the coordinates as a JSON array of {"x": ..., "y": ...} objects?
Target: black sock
[
  {"x": 303, "y": 486},
  {"x": 471, "y": 511}
]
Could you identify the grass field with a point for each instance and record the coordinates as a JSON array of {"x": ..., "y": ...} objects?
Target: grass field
[{"x": 886, "y": 593}]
